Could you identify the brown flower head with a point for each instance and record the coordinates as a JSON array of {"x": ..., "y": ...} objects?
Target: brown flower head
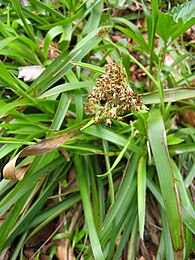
[{"x": 112, "y": 97}]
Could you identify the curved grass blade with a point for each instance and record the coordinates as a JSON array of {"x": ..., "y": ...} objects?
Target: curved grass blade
[
  {"x": 117, "y": 160},
  {"x": 132, "y": 31},
  {"x": 51, "y": 34},
  {"x": 44, "y": 146}
]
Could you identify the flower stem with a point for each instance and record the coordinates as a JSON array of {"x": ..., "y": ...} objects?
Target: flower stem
[{"x": 110, "y": 180}]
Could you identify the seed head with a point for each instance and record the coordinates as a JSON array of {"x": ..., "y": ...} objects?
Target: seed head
[{"x": 113, "y": 96}]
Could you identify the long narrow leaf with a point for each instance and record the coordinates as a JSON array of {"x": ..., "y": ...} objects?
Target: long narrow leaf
[
  {"x": 157, "y": 138},
  {"x": 62, "y": 64},
  {"x": 141, "y": 194},
  {"x": 95, "y": 243}
]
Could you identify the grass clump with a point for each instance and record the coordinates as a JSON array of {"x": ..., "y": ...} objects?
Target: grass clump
[{"x": 72, "y": 188}]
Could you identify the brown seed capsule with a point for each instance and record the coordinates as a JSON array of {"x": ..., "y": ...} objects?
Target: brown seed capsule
[{"x": 113, "y": 94}]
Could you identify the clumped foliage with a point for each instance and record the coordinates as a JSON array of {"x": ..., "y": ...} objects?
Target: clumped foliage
[{"x": 97, "y": 129}]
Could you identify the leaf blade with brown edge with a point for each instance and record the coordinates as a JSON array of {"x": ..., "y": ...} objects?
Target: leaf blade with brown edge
[{"x": 157, "y": 138}]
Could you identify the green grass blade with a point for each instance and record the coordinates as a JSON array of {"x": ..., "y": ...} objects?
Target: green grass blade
[
  {"x": 5, "y": 108},
  {"x": 62, "y": 64},
  {"x": 126, "y": 191},
  {"x": 109, "y": 171},
  {"x": 183, "y": 194},
  {"x": 60, "y": 112},
  {"x": 131, "y": 31},
  {"x": 67, "y": 87},
  {"x": 170, "y": 95},
  {"x": 161, "y": 249},
  {"x": 117, "y": 160},
  {"x": 188, "y": 219},
  {"x": 95, "y": 243},
  {"x": 131, "y": 253},
  {"x": 94, "y": 190},
  {"x": 89, "y": 67},
  {"x": 28, "y": 182},
  {"x": 190, "y": 177},
  {"x": 6, "y": 41},
  {"x": 34, "y": 17},
  {"x": 130, "y": 226},
  {"x": 18, "y": 9},
  {"x": 7, "y": 31},
  {"x": 111, "y": 136},
  {"x": 15, "y": 85},
  {"x": 18, "y": 247},
  {"x": 51, "y": 34},
  {"x": 94, "y": 19},
  {"x": 24, "y": 223},
  {"x": 189, "y": 243},
  {"x": 11, "y": 219},
  {"x": 169, "y": 253},
  {"x": 62, "y": 22},
  {"x": 54, "y": 211},
  {"x": 141, "y": 194},
  {"x": 45, "y": 7},
  {"x": 154, "y": 23},
  {"x": 155, "y": 191},
  {"x": 182, "y": 148},
  {"x": 157, "y": 138}
]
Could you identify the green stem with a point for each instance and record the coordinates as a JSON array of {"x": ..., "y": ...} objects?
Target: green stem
[
  {"x": 145, "y": 70},
  {"x": 110, "y": 180}
]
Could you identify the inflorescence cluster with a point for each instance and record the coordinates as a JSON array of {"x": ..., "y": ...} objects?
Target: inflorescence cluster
[{"x": 112, "y": 97}]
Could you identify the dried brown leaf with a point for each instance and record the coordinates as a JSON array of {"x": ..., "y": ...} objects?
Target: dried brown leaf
[
  {"x": 2, "y": 218},
  {"x": 44, "y": 146},
  {"x": 64, "y": 247},
  {"x": 189, "y": 117},
  {"x": 53, "y": 50}
]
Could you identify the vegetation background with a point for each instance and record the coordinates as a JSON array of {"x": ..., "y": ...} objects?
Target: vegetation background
[{"x": 75, "y": 189}]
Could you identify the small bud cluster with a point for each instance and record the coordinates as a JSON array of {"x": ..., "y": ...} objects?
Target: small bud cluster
[
  {"x": 112, "y": 97},
  {"x": 102, "y": 32}
]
